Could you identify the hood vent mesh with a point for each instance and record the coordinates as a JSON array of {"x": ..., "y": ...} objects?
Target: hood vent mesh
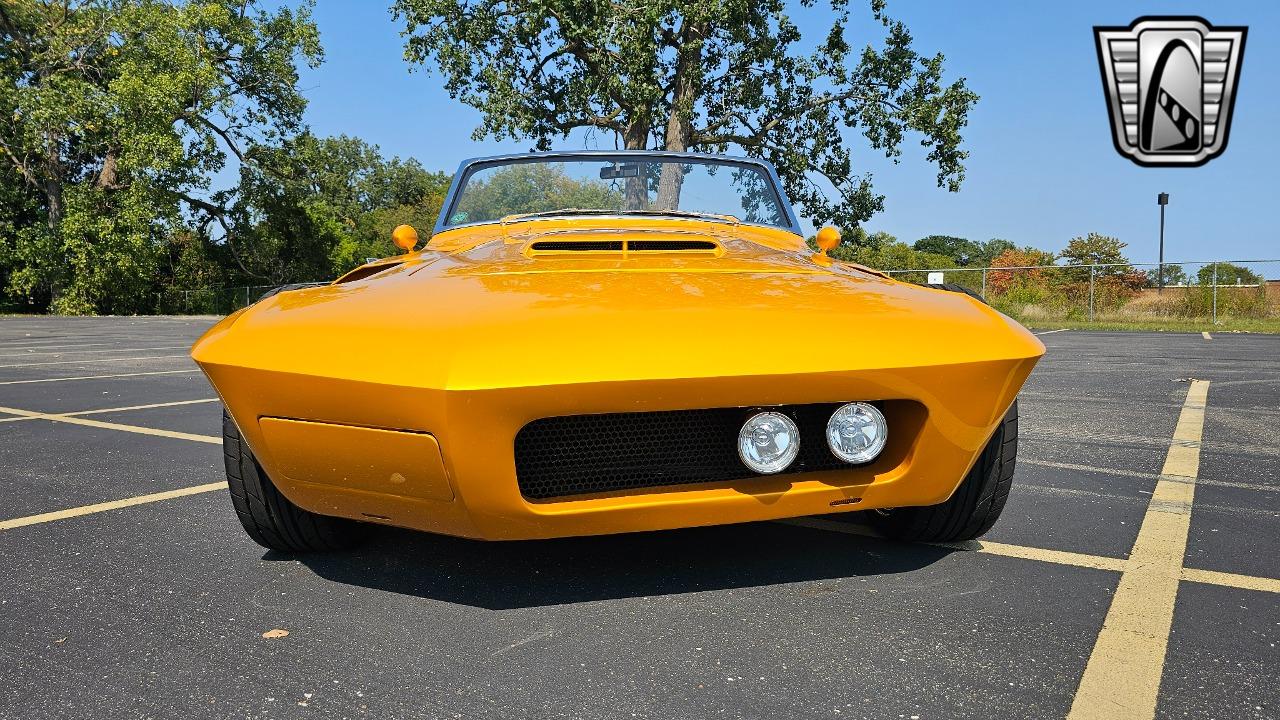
[
  {"x": 559, "y": 246},
  {"x": 669, "y": 245},
  {"x": 576, "y": 246}
]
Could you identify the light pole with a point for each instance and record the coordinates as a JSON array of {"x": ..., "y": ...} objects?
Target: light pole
[{"x": 1163, "y": 199}]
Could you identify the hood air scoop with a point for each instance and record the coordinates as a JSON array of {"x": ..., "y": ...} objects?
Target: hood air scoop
[{"x": 622, "y": 244}]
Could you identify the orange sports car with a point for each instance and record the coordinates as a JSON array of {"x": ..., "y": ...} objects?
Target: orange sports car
[{"x": 603, "y": 342}]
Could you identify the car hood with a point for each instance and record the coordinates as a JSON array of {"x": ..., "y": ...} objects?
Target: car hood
[{"x": 497, "y": 313}]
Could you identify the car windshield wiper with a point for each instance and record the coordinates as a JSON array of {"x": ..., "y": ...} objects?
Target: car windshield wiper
[
  {"x": 596, "y": 211},
  {"x": 553, "y": 213},
  {"x": 683, "y": 213}
]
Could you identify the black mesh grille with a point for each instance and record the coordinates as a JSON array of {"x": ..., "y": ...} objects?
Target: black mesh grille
[
  {"x": 657, "y": 245},
  {"x": 579, "y": 454},
  {"x": 616, "y": 245},
  {"x": 577, "y": 245}
]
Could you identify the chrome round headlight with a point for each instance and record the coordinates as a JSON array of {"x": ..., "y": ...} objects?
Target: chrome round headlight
[
  {"x": 857, "y": 432},
  {"x": 768, "y": 442}
]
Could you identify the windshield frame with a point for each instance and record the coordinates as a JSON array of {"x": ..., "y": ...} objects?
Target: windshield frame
[{"x": 469, "y": 167}]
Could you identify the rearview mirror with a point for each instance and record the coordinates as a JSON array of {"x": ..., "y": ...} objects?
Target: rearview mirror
[{"x": 623, "y": 170}]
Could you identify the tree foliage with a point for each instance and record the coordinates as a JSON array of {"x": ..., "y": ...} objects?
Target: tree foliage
[
  {"x": 531, "y": 187},
  {"x": 966, "y": 253},
  {"x": 1227, "y": 274},
  {"x": 990, "y": 250},
  {"x": 1025, "y": 261},
  {"x": 962, "y": 250},
  {"x": 1173, "y": 275},
  {"x": 1097, "y": 249},
  {"x": 705, "y": 75},
  {"x": 883, "y": 251},
  {"x": 1107, "y": 253},
  {"x": 315, "y": 207},
  {"x": 115, "y": 114}
]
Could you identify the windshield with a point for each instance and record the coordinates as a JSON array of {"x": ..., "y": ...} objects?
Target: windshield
[{"x": 618, "y": 184}]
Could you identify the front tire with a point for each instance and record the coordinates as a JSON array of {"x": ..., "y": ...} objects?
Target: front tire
[
  {"x": 270, "y": 519},
  {"x": 976, "y": 504}
]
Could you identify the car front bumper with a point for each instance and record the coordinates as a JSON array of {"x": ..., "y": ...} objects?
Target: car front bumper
[{"x": 443, "y": 460}]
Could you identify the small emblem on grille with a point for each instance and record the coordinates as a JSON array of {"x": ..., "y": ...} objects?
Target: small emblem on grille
[{"x": 1170, "y": 84}]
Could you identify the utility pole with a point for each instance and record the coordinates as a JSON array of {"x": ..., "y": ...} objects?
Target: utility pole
[{"x": 1163, "y": 199}]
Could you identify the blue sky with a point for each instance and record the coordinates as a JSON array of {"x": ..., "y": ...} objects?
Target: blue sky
[{"x": 1042, "y": 167}]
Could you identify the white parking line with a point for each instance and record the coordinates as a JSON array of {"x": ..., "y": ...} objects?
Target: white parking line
[
  {"x": 11, "y": 346},
  {"x": 1050, "y": 332},
  {"x": 91, "y": 352},
  {"x": 98, "y": 377},
  {"x": 1206, "y": 335},
  {"x": 99, "y": 360}
]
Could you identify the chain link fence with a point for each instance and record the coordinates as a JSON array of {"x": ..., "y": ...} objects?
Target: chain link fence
[
  {"x": 1129, "y": 293},
  {"x": 1212, "y": 292},
  {"x": 212, "y": 301}
]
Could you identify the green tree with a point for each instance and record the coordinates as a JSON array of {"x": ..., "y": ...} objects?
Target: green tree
[
  {"x": 1097, "y": 249},
  {"x": 193, "y": 272},
  {"x": 116, "y": 114},
  {"x": 1173, "y": 275},
  {"x": 883, "y": 251},
  {"x": 531, "y": 187},
  {"x": 990, "y": 250},
  {"x": 19, "y": 211},
  {"x": 316, "y": 207},
  {"x": 1227, "y": 274},
  {"x": 705, "y": 74},
  {"x": 961, "y": 250}
]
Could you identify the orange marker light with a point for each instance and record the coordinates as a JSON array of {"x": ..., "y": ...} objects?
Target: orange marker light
[{"x": 406, "y": 238}]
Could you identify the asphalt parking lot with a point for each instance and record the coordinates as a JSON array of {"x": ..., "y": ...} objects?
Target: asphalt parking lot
[{"x": 1134, "y": 570}]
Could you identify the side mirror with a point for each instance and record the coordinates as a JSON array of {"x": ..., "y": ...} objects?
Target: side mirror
[
  {"x": 405, "y": 237},
  {"x": 828, "y": 238}
]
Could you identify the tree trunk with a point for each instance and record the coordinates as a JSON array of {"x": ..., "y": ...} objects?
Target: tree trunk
[
  {"x": 636, "y": 137},
  {"x": 53, "y": 195},
  {"x": 679, "y": 122},
  {"x": 107, "y": 176},
  {"x": 53, "y": 180}
]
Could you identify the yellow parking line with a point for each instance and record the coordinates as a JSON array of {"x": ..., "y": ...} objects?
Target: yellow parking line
[
  {"x": 212, "y": 439},
  {"x": 1060, "y": 557},
  {"x": 45, "y": 416},
  {"x": 986, "y": 547},
  {"x": 1245, "y": 582},
  {"x": 98, "y": 377},
  {"x": 111, "y": 505},
  {"x": 1122, "y": 677},
  {"x": 85, "y": 362}
]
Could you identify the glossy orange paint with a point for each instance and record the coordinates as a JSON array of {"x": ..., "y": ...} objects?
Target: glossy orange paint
[
  {"x": 405, "y": 237},
  {"x": 477, "y": 334},
  {"x": 827, "y": 239}
]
